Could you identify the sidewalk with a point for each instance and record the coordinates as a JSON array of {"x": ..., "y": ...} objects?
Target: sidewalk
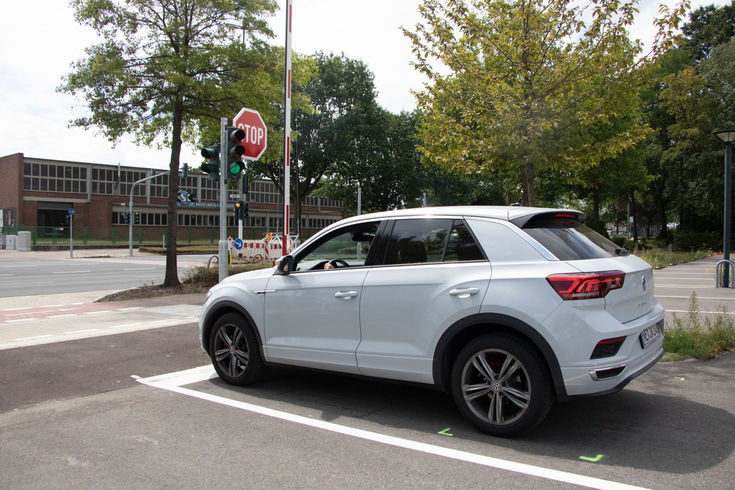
[{"x": 675, "y": 285}]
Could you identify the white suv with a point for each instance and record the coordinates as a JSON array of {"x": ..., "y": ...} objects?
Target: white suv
[{"x": 507, "y": 308}]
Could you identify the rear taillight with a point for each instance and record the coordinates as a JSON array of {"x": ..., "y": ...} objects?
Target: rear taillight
[{"x": 586, "y": 285}]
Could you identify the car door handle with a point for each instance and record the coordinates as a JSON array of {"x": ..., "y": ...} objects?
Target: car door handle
[
  {"x": 463, "y": 292},
  {"x": 345, "y": 294}
]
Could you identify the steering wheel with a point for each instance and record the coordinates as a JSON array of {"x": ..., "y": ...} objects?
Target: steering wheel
[{"x": 338, "y": 263}]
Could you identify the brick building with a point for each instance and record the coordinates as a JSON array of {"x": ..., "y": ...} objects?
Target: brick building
[{"x": 36, "y": 194}]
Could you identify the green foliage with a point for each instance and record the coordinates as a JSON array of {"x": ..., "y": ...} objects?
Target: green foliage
[
  {"x": 162, "y": 66},
  {"x": 208, "y": 277},
  {"x": 527, "y": 86},
  {"x": 697, "y": 240},
  {"x": 663, "y": 257},
  {"x": 698, "y": 337}
]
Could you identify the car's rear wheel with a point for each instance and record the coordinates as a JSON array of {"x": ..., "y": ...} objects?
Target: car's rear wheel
[
  {"x": 500, "y": 384},
  {"x": 234, "y": 351}
]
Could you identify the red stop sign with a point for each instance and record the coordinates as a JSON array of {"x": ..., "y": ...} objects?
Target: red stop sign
[{"x": 256, "y": 134}]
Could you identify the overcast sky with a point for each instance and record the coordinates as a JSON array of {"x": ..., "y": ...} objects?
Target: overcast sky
[{"x": 39, "y": 40}]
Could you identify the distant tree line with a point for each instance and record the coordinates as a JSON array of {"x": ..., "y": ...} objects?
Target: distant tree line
[{"x": 540, "y": 102}]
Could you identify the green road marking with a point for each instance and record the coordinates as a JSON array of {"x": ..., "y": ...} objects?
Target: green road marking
[
  {"x": 446, "y": 432},
  {"x": 592, "y": 460}
]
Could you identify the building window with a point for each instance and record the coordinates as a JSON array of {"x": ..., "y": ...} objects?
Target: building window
[{"x": 54, "y": 178}]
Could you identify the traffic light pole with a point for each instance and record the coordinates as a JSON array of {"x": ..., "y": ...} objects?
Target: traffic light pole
[
  {"x": 223, "y": 258},
  {"x": 132, "y": 215}
]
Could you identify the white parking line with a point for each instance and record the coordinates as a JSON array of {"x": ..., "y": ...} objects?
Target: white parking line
[{"x": 174, "y": 382}]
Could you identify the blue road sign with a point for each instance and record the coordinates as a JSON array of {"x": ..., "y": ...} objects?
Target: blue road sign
[
  {"x": 71, "y": 210},
  {"x": 238, "y": 243}
]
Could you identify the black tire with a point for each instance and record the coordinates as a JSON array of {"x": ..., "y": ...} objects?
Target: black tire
[
  {"x": 501, "y": 385},
  {"x": 234, "y": 351}
]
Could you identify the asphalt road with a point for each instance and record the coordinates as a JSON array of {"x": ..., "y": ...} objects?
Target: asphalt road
[
  {"x": 36, "y": 273},
  {"x": 92, "y": 411},
  {"x": 72, "y": 416}
]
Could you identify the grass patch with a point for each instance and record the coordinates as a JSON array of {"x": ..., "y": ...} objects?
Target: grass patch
[
  {"x": 207, "y": 277},
  {"x": 699, "y": 337},
  {"x": 661, "y": 257}
]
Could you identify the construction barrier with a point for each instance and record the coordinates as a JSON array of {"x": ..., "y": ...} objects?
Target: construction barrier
[{"x": 269, "y": 248}]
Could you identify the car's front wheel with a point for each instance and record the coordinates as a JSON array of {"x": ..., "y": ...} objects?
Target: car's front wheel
[
  {"x": 500, "y": 384},
  {"x": 234, "y": 351}
]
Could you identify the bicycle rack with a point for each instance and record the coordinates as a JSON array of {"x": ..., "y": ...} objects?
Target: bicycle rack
[{"x": 720, "y": 273}]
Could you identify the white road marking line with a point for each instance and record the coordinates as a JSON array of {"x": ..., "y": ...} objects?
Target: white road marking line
[
  {"x": 83, "y": 331},
  {"x": 67, "y": 315},
  {"x": 101, "y": 312},
  {"x": 20, "y": 320},
  {"x": 132, "y": 308},
  {"x": 112, "y": 330},
  {"x": 38, "y": 307},
  {"x": 174, "y": 382},
  {"x": 698, "y": 297},
  {"x": 679, "y": 286},
  {"x": 33, "y": 338},
  {"x": 704, "y": 312},
  {"x": 71, "y": 272}
]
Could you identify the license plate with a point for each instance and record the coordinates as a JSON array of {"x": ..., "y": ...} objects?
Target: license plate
[{"x": 651, "y": 333}]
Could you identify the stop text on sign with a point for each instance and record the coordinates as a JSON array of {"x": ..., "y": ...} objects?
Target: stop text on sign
[{"x": 253, "y": 134}]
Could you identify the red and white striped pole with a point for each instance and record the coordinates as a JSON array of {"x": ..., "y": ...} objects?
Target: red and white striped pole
[{"x": 287, "y": 131}]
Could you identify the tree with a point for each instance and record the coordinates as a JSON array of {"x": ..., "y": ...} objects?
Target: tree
[
  {"x": 160, "y": 66},
  {"x": 337, "y": 88},
  {"x": 526, "y": 85},
  {"x": 701, "y": 99},
  {"x": 708, "y": 27}
]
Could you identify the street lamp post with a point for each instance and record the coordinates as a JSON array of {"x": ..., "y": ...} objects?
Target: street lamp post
[
  {"x": 728, "y": 136},
  {"x": 130, "y": 223}
]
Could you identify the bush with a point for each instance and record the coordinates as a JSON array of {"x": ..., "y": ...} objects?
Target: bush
[
  {"x": 697, "y": 240},
  {"x": 208, "y": 277},
  {"x": 702, "y": 339}
]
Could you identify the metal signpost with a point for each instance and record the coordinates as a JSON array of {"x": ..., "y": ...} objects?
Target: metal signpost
[
  {"x": 71, "y": 233},
  {"x": 132, "y": 215},
  {"x": 287, "y": 130}
]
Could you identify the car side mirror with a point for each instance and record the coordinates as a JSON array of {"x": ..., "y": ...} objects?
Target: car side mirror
[{"x": 285, "y": 265}]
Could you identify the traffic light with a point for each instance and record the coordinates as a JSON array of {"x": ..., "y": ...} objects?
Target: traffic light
[
  {"x": 136, "y": 217},
  {"x": 235, "y": 151},
  {"x": 244, "y": 211},
  {"x": 211, "y": 166},
  {"x": 185, "y": 171},
  {"x": 238, "y": 210},
  {"x": 126, "y": 215}
]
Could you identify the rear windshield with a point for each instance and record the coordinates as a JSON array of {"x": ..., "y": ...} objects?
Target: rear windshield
[{"x": 569, "y": 239}]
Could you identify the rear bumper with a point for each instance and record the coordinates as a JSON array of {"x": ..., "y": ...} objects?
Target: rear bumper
[{"x": 608, "y": 375}]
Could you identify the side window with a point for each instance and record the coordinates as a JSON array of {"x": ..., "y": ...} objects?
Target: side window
[
  {"x": 417, "y": 240},
  {"x": 461, "y": 244},
  {"x": 346, "y": 247}
]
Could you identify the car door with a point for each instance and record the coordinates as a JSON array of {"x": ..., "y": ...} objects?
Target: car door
[
  {"x": 433, "y": 273},
  {"x": 312, "y": 313}
]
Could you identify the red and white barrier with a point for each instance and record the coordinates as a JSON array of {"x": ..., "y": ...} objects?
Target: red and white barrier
[{"x": 265, "y": 249}]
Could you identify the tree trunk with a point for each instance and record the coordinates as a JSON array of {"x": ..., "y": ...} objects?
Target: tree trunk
[
  {"x": 529, "y": 185},
  {"x": 172, "y": 272}
]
